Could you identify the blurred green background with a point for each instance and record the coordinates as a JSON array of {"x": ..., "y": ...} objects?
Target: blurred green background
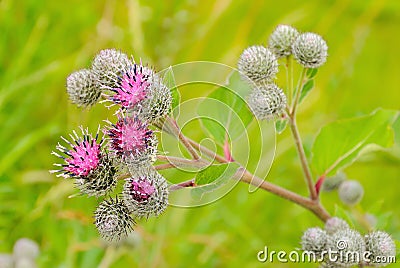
[{"x": 43, "y": 41}]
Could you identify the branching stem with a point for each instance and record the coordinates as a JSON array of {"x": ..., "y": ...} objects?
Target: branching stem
[
  {"x": 245, "y": 176},
  {"x": 312, "y": 205},
  {"x": 177, "y": 132},
  {"x": 177, "y": 162}
]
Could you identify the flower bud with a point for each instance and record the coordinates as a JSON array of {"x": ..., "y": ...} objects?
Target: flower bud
[
  {"x": 108, "y": 66},
  {"x": 332, "y": 183},
  {"x": 351, "y": 192},
  {"x": 281, "y": 40},
  {"x": 350, "y": 246},
  {"x": 314, "y": 240},
  {"x": 381, "y": 246},
  {"x": 267, "y": 101},
  {"x": 158, "y": 103},
  {"x": 310, "y": 50},
  {"x": 335, "y": 224},
  {"x": 25, "y": 248},
  {"x": 112, "y": 220},
  {"x": 257, "y": 64},
  {"x": 82, "y": 88}
]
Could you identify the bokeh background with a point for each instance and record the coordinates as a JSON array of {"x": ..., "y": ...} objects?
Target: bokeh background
[{"x": 43, "y": 41}]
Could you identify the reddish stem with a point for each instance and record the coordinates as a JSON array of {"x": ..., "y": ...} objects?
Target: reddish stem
[
  {"x": 184, "y": 184},
  {"x": 319, "y": 183}
]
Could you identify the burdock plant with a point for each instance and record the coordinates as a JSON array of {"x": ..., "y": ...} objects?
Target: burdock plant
[{"x": 145, "y": 106}]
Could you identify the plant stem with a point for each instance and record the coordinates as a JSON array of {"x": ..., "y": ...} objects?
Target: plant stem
[
  {"x": 289, "y": 77},
  {"x": 312, "y": 205},
  {"x": 297, "y": 139},
  {"x": 182, "y": 162},
  {"x": 244, "y": 175},
  {"x": 184, "y": 184},
  {"x": 298, "y": 92},
  {"x": 177, "y": 132},
  {"x": 164, "y": 166},
  {"x": 208, "y": 152},
  {"x": 303, "y": 159}
]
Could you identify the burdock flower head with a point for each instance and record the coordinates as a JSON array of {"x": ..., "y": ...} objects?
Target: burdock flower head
[
  {"x": 113, "y": 220},
  {"x": 314, "y": 239},
  {"x": 258, "y": 64},
  {"x": 267, "y": 101},
  {"x": 142, "y": 91},
  {"x": 132, "y": 141},
  {"x": 146, "y": 195},
  {"x": 158, "y": 101},
  {"x": 350, "y": 246},
  {"x": 88, "y": 163},
  {"x": 281, "y": 40},
  {"x": 82, "y": 88},
  {"x": 132, "y": 87},
  {"x": 108, "y": 65},
  {"x": 381, "y": 246},
  {"x": 334, "y": 225},
  {"x": 310, "y": 50}
]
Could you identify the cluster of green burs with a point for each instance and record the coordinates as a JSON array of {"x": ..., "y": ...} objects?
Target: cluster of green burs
[
  {"x": 338, "y": 245},
  {"x": 258, "y": 65}
]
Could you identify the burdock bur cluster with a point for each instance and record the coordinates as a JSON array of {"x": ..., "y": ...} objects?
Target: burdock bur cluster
[
  {"x": 258, "y": 65},
  {"x": 121, "y": 150}
]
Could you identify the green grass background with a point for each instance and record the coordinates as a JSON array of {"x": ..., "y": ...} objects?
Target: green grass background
[{"x": 41, "y": 42}]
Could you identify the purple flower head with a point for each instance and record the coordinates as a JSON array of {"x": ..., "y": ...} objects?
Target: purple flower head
[
  {"x": 88, "y": 163},
  {"x": 83, "y": 156},
  {"x": 132, "y": 87},
  {"x": 141, "y": 189},
  {"x": 146, "y": 194},
  {"x": 130, "y": 137}
]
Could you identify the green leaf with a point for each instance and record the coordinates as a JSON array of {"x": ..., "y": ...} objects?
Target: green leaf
[
  {"x": 280, "y": 125},
  {"x": 213, "y": 177},
  {"x": 215, "y": 172},
  {"x": 224, "y": 111},
  {"x": 383, "y": 220},
  {"x": 169, "y": 81},
  {"x": 340, "y": 143},
  {"x": 306, "y": 89},
  {"x": 311, "y": 73},
  {"x": 238, "y": 85}
]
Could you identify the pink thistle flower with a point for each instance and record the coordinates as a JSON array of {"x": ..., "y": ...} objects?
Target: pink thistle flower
[
  {"x": 83, "y": 157},
  {"x": 132, "y": 87},
  {"x": 131, "y": 138},
  {"x": 86, "y": 162},
  {"x": 146, "y": 195},
  {"x": 141, "y": 189}
]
